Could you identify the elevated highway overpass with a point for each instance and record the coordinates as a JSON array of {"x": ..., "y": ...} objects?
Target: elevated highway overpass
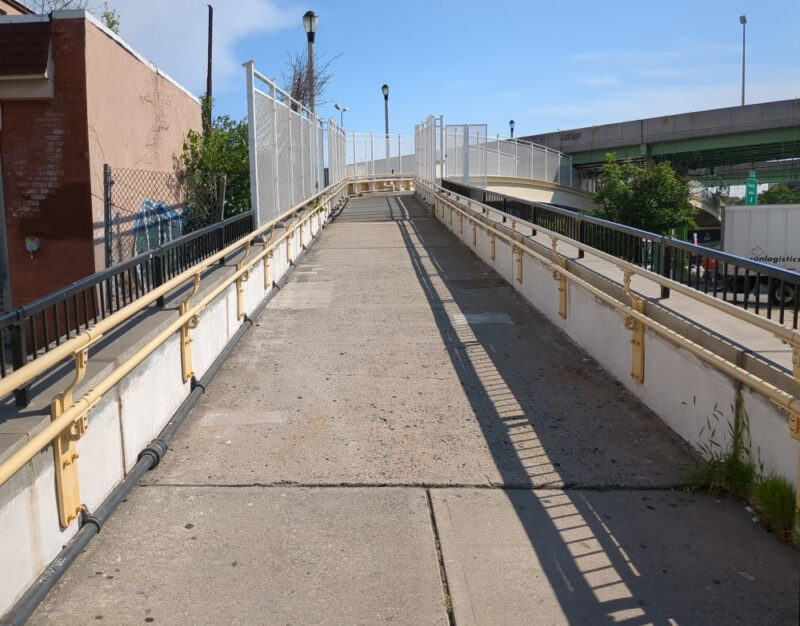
[{"x": 711, "y": 139}]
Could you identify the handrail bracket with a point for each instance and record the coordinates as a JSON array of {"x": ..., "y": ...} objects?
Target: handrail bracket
[
  {"x": 186, "y": 335},
  {"x": 68, "y": 493},
  {"x": 637, "y": 332},
  {"x": 561, "y": 278}
]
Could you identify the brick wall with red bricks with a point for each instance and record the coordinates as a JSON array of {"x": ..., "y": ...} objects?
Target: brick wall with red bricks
[{"x": 45, "y": 169}]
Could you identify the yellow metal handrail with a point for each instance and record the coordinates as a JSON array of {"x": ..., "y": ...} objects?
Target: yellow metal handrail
[
  {"x": 783, "y": 399},
  {"x": 785, "y": 334},
  {"x": 71, "y": 412},
  {"x": 633, "y": 315}
]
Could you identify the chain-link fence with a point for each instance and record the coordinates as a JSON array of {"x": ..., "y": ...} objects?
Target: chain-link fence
[{"x": 146, "y": 209}]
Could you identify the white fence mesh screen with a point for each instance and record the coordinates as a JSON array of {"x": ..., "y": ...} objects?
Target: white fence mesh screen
[
  {"x": 286, "y": 149},
  {"x": 522, "y": 159},
  {"x": 366, "y": 155},
  {"x": 465, "y": 153},
  {"x": 428, "y": 149},
  {"x": 336, "y": 151},
  {"x": 470, "y": 156}
]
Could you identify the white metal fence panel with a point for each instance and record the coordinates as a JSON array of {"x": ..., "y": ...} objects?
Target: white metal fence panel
[
  {"x": 337, "y": 153},
  {"x": 469, "y": 157},
  {"x": 466, "y": 154},
  {"x": 429, "y": 149},
  {"x": 286, "y": 148},
  {"x": 367, "y": 155}
]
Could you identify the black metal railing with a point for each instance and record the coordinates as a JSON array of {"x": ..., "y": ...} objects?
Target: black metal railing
[
  {"x": 32, "y": 330},
  {"x": 765, "y": 289}
]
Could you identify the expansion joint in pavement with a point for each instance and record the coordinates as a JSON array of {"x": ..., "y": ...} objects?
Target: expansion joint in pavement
[
  {"x": 437, "y": 544},
  {"x": 426, "y": 486}
]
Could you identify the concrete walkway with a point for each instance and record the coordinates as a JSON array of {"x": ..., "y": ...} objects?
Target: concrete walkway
[{"x": 401, "y": 438}]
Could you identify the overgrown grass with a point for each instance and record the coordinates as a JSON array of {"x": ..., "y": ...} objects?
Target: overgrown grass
[
  {"x": 723, "y": 474},
  {"x": 773, "y": 499},
  {"x": 729, "y": 469}
]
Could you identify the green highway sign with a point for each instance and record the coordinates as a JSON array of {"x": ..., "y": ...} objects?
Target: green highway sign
[{"x": 751, "y": 195}]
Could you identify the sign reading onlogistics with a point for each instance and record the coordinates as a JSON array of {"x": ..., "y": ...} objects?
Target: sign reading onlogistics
[{"x": 751, "y": 195}]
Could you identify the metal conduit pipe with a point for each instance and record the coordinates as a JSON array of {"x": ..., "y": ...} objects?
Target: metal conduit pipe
[{"x": 149, "y": 457}]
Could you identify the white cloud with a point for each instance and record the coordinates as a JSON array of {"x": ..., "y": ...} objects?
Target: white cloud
[
  {"x": 666, "y": 72},
  {"x": 632, "y": 58},
  {"x": 173, "y": 35},
  {"x": 597, "y": 82}
]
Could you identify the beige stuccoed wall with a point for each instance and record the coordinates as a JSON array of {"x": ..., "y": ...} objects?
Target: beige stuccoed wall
[
  {"x": 9, "y": 9},
  {"x": 137, "y": 116}
]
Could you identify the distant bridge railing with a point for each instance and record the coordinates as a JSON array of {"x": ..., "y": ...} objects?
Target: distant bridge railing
[{"x": 722, "y": 275}]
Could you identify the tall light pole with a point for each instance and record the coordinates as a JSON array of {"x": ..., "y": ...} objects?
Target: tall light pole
[
  {"x": 310, "y": 22},
  {"x": 341, "y": 114},
  {"x": 385, "y": 90},
  {"x": 743, "y": 21},
  {"x": 511, "y": 127}
]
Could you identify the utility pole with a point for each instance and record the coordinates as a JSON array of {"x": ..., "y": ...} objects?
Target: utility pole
[{"x": 207, "y": 108}]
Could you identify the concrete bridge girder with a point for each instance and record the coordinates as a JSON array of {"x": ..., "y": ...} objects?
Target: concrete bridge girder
[{"x": 730, "y": 136}]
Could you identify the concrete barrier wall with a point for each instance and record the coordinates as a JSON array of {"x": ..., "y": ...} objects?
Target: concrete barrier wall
[
  {"x": 120, "y": 425},
  {"x": 687, "y": 393}
]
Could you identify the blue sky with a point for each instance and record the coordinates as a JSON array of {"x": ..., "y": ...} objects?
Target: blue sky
[{"x": 547, "y": 65}]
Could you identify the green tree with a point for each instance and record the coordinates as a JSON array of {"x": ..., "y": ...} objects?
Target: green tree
[
  {"x": 223, "y": 149},
  {"x": 110, "y": 18},
  {"x": 780, "y": 194},
  {"x": 650, "y": 197}
]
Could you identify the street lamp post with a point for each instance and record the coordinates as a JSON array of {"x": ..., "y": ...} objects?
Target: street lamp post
[
  {"x": 310, "y": 22},
  {"x": 511, "y": 127},
  {"x": 341, "y": 114},
  {"x": 385, "y": 90},
  {"x": 743, "y": 21}
]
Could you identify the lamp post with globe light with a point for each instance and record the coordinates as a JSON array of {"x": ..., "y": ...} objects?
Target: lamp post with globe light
[{"x": 385, "y": 90}]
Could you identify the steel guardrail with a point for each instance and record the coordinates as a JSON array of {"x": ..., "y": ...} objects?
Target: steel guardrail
[
  {"x": 633, "y": 312},
  {"x": 65, "y": 422},
  {"x": 32, "y": 330},
  {"x": 723, "y": 275}
]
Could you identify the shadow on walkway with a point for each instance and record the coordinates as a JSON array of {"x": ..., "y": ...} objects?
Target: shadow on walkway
[{"x": 616, "y": 544}]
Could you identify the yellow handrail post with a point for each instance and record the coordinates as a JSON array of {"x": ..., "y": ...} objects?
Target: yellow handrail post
[
  {"x": 240, "y": 280},
  {"x": 186, "y": 338},
  {"x": 65, "y": 455},
  {"x": 637, "y": 332},
  {"x": 267, "y": 257},
  {"x": 561, "y": 278}
]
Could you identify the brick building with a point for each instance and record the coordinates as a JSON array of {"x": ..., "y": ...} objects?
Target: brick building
[{"x": 73, "y": 96}]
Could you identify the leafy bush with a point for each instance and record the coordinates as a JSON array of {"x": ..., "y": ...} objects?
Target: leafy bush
[
  {"x": 648, "y": 197},
  {"x": 223, "y": 148}
]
